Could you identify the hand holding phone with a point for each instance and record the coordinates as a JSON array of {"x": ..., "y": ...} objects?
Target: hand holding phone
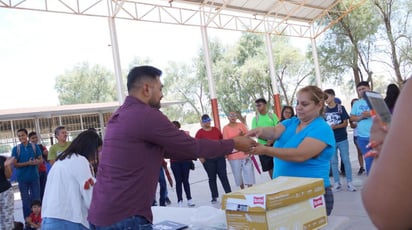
[{"x": 378, "y": 106}]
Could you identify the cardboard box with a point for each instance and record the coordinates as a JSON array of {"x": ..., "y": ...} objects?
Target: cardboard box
[{"x": 282, "y": 203}]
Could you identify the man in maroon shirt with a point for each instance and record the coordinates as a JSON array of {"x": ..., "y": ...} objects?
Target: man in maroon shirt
[{"x": 138, "y": 137}]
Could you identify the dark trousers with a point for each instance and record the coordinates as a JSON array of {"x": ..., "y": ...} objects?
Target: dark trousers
[
  {"x": 29, "y": 191},
  {"x": 181, "y": 171},
  {"x": 163, "y": 188},
  {"x": 133, "y": 222},
  {"x": 42, "y": 180},
  {"x": 213, "y": 167}
]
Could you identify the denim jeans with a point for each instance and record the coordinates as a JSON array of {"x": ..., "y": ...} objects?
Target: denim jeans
[
  {"x": 213, "y": 167},
  {"x": 362, "y": 142},
  {"x": 53, "y": 223},
  {"x": 343, "y": 147},
  {"x": 132, "y": 223},
  {"x": 29, "y": 191},
  {"x": 163, "y": 188},
  {"x": 181, "y": 171}
]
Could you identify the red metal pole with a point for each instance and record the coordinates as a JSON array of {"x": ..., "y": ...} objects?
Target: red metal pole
[
  {"x": 277, "y": 108},
  {"x": 215, "y": 112}
]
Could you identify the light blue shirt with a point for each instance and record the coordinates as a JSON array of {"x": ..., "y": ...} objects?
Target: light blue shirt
[
  {"x": 363, "y": 128},
  {"x": 316, "y": 167}
]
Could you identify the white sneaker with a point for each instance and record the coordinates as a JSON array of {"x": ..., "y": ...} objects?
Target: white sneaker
[
  {"x": 337, "y": 187},
  {"x": 351, "y": 188},
  {"x": 190, "y": 203},
  {"x": 180, "y": 204}
]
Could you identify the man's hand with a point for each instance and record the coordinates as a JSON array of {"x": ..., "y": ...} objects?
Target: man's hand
[
  {"x": 365, "y": 114},
  {"x": 244, "y": 143}
]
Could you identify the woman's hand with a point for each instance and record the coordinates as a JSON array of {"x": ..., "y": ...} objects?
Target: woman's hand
[
  {"x": 378, "y": 134},
  {"x": 259, "y": 149},
  {"x": 257, "y": 132}
]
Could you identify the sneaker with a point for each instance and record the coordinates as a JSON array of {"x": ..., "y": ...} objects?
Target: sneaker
[
  {"x": 351, "y": 188},
  {"x": 190, "y": 203},
  {"x": 180, "y": 204},
  {"x": 167, "y": 201},
  {"x": 337, "y": 187},
  {"x": 214, "y": 200},
  {"x": 361, "y": 171}
]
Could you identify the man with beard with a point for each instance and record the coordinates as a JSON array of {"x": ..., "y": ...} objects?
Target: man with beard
[{"x": 138, "y": 137}]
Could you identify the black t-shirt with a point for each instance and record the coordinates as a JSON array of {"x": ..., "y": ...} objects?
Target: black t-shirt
[{"x": 4, "y": 183}]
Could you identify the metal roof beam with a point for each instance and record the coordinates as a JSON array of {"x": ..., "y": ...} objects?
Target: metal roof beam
[{"x": 224, "y": 16}]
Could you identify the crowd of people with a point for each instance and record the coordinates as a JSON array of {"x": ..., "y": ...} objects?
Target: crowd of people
[{"x": 111, "y": 183}]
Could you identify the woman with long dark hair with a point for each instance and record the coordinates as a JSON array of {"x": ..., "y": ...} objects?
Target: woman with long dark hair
[
  {"x": 70, "y": 183},
  {"x": 287, "y": 112},
  {"x": 392, "y": 93}
]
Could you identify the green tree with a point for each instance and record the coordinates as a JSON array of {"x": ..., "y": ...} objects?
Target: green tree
[
  {"x": 395, "y": 15},
  {"x": 86, "y": 84},
  {"x": 348, "y": 46}
]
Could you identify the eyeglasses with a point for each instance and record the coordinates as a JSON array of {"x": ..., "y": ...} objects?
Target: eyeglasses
[
  {"x": 258, "y": 105},
  {"x": 206, "y": 120},
  {"x": 232, "y": 115}
]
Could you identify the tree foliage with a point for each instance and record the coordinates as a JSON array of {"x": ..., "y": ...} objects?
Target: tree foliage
[
  {"x": 348, "y": 46},
  {"x": 86, "y": 84},
  {"x": 376, "y": 35}
]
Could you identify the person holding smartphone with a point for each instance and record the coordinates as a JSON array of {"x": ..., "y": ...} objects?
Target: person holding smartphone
[
  {"x": 386, "y": 194},
  {"x": 361, "y": 113}
]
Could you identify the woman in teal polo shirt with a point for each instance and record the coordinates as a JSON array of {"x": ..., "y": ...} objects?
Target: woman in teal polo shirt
[{"x": 304, "y": 144}]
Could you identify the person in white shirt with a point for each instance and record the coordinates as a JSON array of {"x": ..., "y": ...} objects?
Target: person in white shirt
[{"x": 69, "y": 185}]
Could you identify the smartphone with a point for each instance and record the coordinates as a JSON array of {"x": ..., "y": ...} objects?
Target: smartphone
[{"x": 378, "y": 106}]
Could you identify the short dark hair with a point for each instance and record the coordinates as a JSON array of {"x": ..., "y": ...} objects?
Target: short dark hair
[
  {"x": 176, "y": 123},
  {"x": 330, "y": 91},
  {"x": 36, "y": 202},
  {"x": 57, "y": 130},
  {"x": 85, "y": 144},
  {"x": 139, "y": 72},
  {"x": 363, "y": 83},
  {"x": 22, "y": 130},
  {"x": 32, "y": 133},
  {"x": 261, "y": 100}
]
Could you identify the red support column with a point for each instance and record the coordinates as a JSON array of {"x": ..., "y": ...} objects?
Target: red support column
[
  {"x": 277, "y": 108},
  {"x": 215, "y": 113}
]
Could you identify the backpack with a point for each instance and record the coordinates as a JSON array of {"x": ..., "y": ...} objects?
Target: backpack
[{"x": 18, "y": 149}]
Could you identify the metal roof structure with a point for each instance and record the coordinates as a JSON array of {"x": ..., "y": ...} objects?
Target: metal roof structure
[
  {"x": 296, "y": 18},
  {"x": 277, "y": 17}
]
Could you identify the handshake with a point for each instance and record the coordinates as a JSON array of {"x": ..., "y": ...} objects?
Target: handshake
[{"x": 244, "y": 143}]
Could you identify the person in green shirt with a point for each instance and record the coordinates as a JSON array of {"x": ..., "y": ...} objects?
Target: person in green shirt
[
  {"x": 61, "y": 135},
  {"x": 264, "y": 118}
]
